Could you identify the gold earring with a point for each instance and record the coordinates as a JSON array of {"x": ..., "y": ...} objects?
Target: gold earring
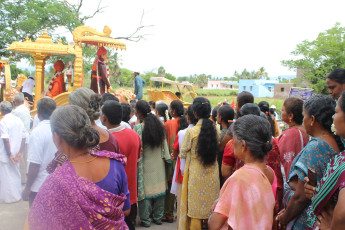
[{"x": 290, "y": 120}]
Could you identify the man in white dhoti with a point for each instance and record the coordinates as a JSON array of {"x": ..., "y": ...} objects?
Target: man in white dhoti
[
  {"x": 23, "y": 113},
  {"x": 12, "y": 141},
  {"x": 41, "y": 149}
]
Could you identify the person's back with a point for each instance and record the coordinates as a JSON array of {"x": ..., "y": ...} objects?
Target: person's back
[
  {"x": 41, "y": 151},
  {"x": 12, "y": 134},
  {"x": 139, "y": 84},
  {"x": 75, "y": 195},
  {"x": 23, "y": 113},
  {"x": 15, "y": 131},
  {"x": 130, "y": 146},
  {"x": 28, "y": 86}
]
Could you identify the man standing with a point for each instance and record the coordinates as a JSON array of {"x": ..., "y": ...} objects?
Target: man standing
[
  {"x": 27, "y": 88},
  {"x": 41, "y": 149},
  {"x": 99, "y": 73},
  {"x": 23, "y": 113},
  {"x": 12, "y": 133},
  {"x": 130, "y": 146},
  {"x": 138, "y": 86}
]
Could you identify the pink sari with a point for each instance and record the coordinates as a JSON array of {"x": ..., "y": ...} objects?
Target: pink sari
[
  {"x": 290, "y": 143},
  {"x": 247, "y": 199}
]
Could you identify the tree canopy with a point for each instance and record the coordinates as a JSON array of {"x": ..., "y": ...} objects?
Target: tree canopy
[
  {"x": 245, "y": 74},
  {"x": 21, "y": 18},
  {"x": 319, "y": 57}
]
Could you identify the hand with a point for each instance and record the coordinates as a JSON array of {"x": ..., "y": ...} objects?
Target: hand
[
  {"x": 308, "y": 189},
  {"x": 214, "y": 205},
  {"x": 324, "y": 220},
  {"x": 18, "y": 157},
  {"x": 110, "y": 89},
  {"x": 25, "y": 194},
  {"x": 173, "y": 156},
  {"x": 13, "y": 159},
  {"x": 280, "y": 219}
]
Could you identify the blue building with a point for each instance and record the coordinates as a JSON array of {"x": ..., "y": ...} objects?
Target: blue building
[{"x": 259, "y": 88}]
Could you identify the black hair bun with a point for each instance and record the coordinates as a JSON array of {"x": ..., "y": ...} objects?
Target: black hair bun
[
  {"x": 88, "y": 137},
  {"x": 267, "y": 147}
]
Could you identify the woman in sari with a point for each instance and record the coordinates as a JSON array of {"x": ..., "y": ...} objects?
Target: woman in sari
[
  {"x": 152, "y": 185},
  {"x": 176, "y": 186},
  {"x": 172, "y": 126},
  {"x": 329, "y": 196},
  {"x": 246, "y": 200},
  {"x": 91, "y": 103},
  {"x": 231, "y": 163},
  {"x": 317, "y": 112},
  {"x": 162, "y": 111},
  {"x": 294, "y": 139},
  {"x": 225, "y": 115},
  {"x": 201, "y": 177},
  {"x": 89, "y": 191},
  {"x": 265, "y": 108}
]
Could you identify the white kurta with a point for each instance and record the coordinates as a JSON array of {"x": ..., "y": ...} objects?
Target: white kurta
[
  {"x": 41, "y": 151},
  {"x": 12, "y": 128},
  {"x": 181, "y": 135}
]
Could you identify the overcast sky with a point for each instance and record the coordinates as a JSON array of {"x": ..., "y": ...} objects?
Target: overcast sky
[{"x": 215, "y": 37}]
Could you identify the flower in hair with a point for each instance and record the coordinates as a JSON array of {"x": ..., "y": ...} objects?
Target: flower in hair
[{"x": 94, "y": 105}]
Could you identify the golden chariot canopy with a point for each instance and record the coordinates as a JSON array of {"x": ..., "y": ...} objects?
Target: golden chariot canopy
[
  {"x": 87, "y": 35},
  {"x": 43, "y": 45}
]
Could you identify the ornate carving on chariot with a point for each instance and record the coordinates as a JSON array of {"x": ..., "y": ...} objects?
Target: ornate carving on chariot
[{"x": 44, "y": 47}]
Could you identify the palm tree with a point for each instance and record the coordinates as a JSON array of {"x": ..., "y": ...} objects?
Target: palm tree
[
  {"x": 114, "y": 61},
  {"x": 237, "y": 75},
  {"x": 262, "y": 73}
]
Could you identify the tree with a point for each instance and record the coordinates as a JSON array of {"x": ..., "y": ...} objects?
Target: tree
[
  {"x": 319, "y": 57},
  {"x": 184, "y": 78},
  {"x": 126, "y": 77},
  {"x": 147, "y": 75},
  {"x": 237, "y": 75},
  {"x": 161, "y": 71},
  {"x": 26, "y": 18},
  {"x": 261, "y": 73}
]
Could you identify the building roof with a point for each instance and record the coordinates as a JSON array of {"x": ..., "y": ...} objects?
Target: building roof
[{"x": 229, "y": 83}]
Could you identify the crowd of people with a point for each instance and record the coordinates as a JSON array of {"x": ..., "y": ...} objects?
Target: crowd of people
[{"x": 98, "y": 163}]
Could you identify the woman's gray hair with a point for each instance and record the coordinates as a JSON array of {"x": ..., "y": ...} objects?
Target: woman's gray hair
[
  {"x": 19, "y": 97},
  {"x": 255, "y": 131},
  {"x": 6, "y": 107},
  {"x": 88, "y": 100},
  {"x": 72, "y": 124}
]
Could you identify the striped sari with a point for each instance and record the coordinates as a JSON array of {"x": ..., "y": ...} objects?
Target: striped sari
[
  {"x": 315, "y": 156},
  {"x": 327, "y": 190}
]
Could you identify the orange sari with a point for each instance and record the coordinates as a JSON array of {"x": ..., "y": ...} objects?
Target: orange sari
[{"x": 171, "y": 128}]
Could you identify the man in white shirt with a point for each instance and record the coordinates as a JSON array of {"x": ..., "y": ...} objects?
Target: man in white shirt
[
  {"x": 12, "y": 134},
  {"x": 23, "y": 113},
  {"x": 27, "y": 88},
  {"x": 41, "y": 149}
]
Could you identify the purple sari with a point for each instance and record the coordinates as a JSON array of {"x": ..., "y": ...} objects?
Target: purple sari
[{"x": 68, "y": 201}]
